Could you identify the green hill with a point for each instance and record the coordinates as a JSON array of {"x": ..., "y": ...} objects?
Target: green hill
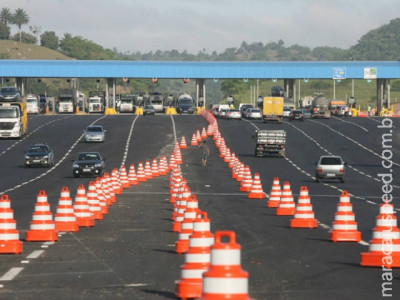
[{"x": 16, "y": 50}]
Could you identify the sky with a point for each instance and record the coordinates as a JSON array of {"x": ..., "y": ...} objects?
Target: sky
[{"x": 207, "y": 25}]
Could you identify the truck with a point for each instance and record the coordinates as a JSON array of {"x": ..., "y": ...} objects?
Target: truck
[
  {"x": 184, "y": 104},
  {"x": 157, "y": 100},
  {"x": 270, "y": 142},
  {"x": 97, "y": 101},
  {"x": 33, "y": 104},
  {"x": 67, "y": 99},
  {"x": 13, "y": 119},
  {"x": 127, "y": 104},
  {"x": 320, "y": 108},
  {"x": 273, "y": 109}
]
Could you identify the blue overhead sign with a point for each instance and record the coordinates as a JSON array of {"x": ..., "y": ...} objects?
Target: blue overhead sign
[{"x": 339, "y": 73}]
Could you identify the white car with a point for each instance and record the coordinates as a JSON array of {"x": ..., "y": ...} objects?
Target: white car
[
  {"x": 254, "y": 113},
  {"x": 286, "y": 112},
  {"x": 94, "y": 133},
  {"x": 233, "y": 114}
]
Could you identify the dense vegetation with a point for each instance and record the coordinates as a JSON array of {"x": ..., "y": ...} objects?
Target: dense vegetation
[{"x": 382, "y": 43}]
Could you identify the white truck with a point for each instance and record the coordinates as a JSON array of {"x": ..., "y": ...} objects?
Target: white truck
[
  {"x": 33, "y": 105},
  {"x": 67, "y": 99},
  {"x": 270, "y": 142},
  {"x": 96, "y": 102}
]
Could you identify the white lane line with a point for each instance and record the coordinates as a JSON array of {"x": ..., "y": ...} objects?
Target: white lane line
[
  {"x": 136, "y": 284},
  {"x": 128, "y": 140},
  {"x": 11, "y": 274},
  {"x": 370, "y": 202},
  {"x": 354, "y": 124},
  {"x": 355, "y": 142},
  {"x": 364, "y": 243},
  {"x": 35, "y": 254},
  {"x": 324, "y": 226}
]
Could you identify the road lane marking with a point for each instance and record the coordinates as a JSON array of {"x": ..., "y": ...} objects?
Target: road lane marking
[
  {"x": 352, "y": 123},
  {"x": 11, "y": 274},
  {"x": 35, "y": 254},
  {"x": 128, "y": 140}
]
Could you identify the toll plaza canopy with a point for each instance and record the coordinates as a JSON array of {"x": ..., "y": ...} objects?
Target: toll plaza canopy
[{"x": 200, "y": 70}]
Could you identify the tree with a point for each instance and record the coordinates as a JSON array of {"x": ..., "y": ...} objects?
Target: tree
[
  {"x": 20, "y": 17},
  {"x": 24, "y": 37},
  {"x": 4, "y": 31},
  {"x": 36, "y": 30},
  {"x": 49, "y": 40},
  {"x": 6, "y": 16}
]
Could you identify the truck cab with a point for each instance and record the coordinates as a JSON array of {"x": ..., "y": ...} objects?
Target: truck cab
[
  {"x": 13, "y": 119},
  {"x": 33, "y": 104}
]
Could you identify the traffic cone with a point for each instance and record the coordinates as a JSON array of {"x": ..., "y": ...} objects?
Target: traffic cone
[
  {"x": 102, "y": 196},
  {"x": 179, "y": 213},
  {"x": 178, "y": 156},
  {"x": 344, "y": 227},
  {"x": 384, "y": 248},
  {"x": 183, "y": 144},
  {"x": 186, "y": 226},
  {"x": 232, "y": 160},
  {"x": 194, "y": 142},
  {"x": 275, "y": 194},
  {"x": 286, "y": 206},
  {"x": 108, "y": 192},
  {"x": 124, "y": 177},
  {"x": 141, "y": 176},
  {"x": 42, "y": 227},
  {"x": 209, "y": 130},
  {"x": 304, "y": 215},
  {"x": 82, "y": 209},
  {"x": 94, "y": 202},
  {"x": 164, "y": 165},
  {"x": 132, "y": 175},
  {"x": 227, "y": 157},
  {"x": 247, "y": 181},
  {"x": 225, "y": 278},
  {"x": 197, "y": 259},
  {"x": 65, "y": 219},
  {"x": 154, "y": 168},
  {"x": 9, "y": 235},
  {"x": 203, "y": 133},
  {"x": 256, "y": 191},
  {"x": 172, "y": 162},
  {"x": 116, "y": 182},
  {"x": 198, "y": 136}
]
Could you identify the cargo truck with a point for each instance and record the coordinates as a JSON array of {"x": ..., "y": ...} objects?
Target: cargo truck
[
  {"x": 320, "y": 108},
  {"x": 273, "y": 109},
  {"x": 96, "y": 103},
  {"x": 67, "y": 99},
  {"x": 13, "y": 119},
  {"x": 270, "y": 142}
]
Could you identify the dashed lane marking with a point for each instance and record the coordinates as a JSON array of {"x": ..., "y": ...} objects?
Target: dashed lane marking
[{"x": 11, "y": 274}]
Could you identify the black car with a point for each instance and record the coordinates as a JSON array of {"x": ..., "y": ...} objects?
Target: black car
[
  {"x": 39, "y": 155},
  {"x": 88, "y": 163},
  {"x": 296, "y": 115},
  {"x": 149, "y": 110}
]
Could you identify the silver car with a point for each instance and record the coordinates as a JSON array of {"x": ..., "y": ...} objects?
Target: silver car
[
  {"x": 94, "y": 133},
  {"x": 330, "y": 166}
]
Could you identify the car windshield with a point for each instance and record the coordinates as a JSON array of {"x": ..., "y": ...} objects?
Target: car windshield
[
  {"x": 94, "y": 129},
  {"x": 8, "y": 90},
  {"x": 38, "y": 149},
  {"x": 149, "y": 107},
  {"x": 331, "y": 161},
  {"x": 88, "y": 156}
]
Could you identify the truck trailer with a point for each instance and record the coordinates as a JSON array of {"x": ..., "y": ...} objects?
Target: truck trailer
[
  {"x": 273, "y": 109},
  {"x": 270, "y": 142}
]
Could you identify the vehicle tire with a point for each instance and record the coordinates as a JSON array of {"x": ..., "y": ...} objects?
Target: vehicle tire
[
  {"x": 316, "y": 179},
  {"x": 76, "y": 175},
  {"x": 342, "y": 180}
]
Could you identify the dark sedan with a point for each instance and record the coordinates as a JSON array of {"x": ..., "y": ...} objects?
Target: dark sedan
[
  {"x": 88, "y": 163},
  {"x": 296, "y": 115},
  {"x": 39, "y": 155}
]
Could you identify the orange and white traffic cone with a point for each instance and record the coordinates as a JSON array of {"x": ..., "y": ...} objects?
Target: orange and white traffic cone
[
  {"x": 203, "y": 133},
  {"x": 94, "y": 202},
  {"x": 154, "y": 168},
  {"x": 65, "y": 219},
  {"x": 240, "y": 173},
  {"x": 183, "y": 144},
  {"x": 256, "y": 191},
  {"x": 384, "y": 248},
  {"x": 344, "y": 227},
  {"x": 141, "y": 175},
  {"x": 225, "y": 278},
  {"x": 197, "y": 259},
  {"x": 209, "y": 130},
  {"x": 286, "y": 206},
  {"x": 124, "y": 178},
  {"x": 116, "y": 182},
  {"x": 132, "y": 175},
  {"x": 194, "y": 142},
  {"x": 304, "y": 214},
  {"x": 42, "y": 227},
  {"x": 198, "y": 136},
  {"x": 9, "y": 235},
  {"x": 247, "y": 181},
  {"x": 275, "y": 194},
  {"x": 147, "y": 170},
  {"x": 227, "y": 157},
  {"x": 102, "y": 196},
  {"x": 82, "y": 208},
  {"x": 182, "y": 244}
]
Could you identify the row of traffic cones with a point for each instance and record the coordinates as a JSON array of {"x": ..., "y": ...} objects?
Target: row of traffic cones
[
  {"x": 384, "y": 248},
  {"x": 83, "y": 212},
  {"x": 203, "y": 271}
]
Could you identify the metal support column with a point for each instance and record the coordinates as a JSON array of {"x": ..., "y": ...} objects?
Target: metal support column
[
  {"x": 200, "y": 93},
  {"x": 381, "y": 93}
]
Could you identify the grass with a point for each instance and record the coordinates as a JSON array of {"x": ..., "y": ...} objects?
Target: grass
[{"x": 16, "y": 50}]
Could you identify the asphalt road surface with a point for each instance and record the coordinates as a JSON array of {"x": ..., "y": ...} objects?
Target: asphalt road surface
[{"x": 130, "y": 254}]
